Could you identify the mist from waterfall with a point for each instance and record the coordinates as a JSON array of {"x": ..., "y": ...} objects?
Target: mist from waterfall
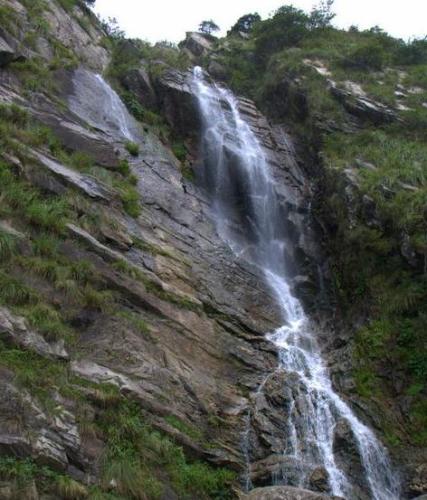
[{"x": 236, "y": 167}]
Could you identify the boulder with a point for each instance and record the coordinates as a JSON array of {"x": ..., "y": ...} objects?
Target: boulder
[
  {"x": 319, "y": 479},
  {"x": 361, "y": 106},
  {"x": 137, "y": 81},
  {"x": 285, "y": 493},
  {"x": 276, "y": 465},
  {"x": 418, "y": 483},
  {"x": 197, "y": 44},
  {"x": 343, "y": 438}
]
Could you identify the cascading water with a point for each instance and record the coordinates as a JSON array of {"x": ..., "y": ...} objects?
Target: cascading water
[
  {"x": 98, "y": 104},
  {"x": 236, "y": 168}
]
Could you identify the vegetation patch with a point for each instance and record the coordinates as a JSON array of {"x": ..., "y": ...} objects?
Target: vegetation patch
[
  {"x": 132, "y": 148},
  {"x": 137, "y": 456}
]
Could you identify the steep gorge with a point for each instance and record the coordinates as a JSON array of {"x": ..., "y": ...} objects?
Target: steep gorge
[{"x": 130, "y": 329}]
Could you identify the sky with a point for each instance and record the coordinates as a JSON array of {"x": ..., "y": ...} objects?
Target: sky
[{"x": 156, "y": 20}]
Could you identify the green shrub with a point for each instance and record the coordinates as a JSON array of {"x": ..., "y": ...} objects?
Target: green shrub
[
  {"x": 69, "y": 489},
  {"x": 81, "y": 161},
  {"x": 8, "y": 18},
  {"x": 7, "y": 245},
  {"x": 286, "y": 28},
  {"x": 97, "y": 299},
  {"x": 50, "y": 214},
  {"x": 130, "y": 199},
  {"x": 179, "y": 150},
  {"x": 133, "y": 105},
  {"x": 15, "y": 292},
  {"x": 45, "y": 245},
  {"x": 13, "y": 113},
  {"x": 132, "y": 148},
  {"x": 369, "y": 56},
  {"x": 133, "y": 318},
  {"x": 20, "y": 471},
  {"x": 124, "y": 168},
  {"x": 34, "y": 74},
  {"x": 132, "y": 480},
  {"x": 414, "y": 52},
  {"x": 47, "y": 321},
  {"x": 185, "y": 428},
  {"x": 136, "y": 453}
]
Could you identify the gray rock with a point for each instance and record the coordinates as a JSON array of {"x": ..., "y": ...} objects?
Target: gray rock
[
  {"x": 178, "y": 103},
  {"x": 197, "y": 44},
  {"x": 14, "y": 329},
  {"x": 97, "y": 104},
  {"x": 86, "y": 184},
  {"x": 28, "y": 431},
  {"x": 418, "y": 482},
  {"x": 285, "y": 493},
  {"x": 7, "y": 54},
  {"x": 361, "y": 106},
  {"x": 138, "y": 82},
  {"x": 83, "y": 39},
  {"x": 319, "y": 479}
]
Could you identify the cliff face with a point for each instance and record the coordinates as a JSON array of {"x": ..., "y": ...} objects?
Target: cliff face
[
  {"x": 129, "y": 329},
  {"x": 132, "y": 303}
]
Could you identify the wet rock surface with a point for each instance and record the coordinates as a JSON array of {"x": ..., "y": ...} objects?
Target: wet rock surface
[{"x": 285, "y": 493}]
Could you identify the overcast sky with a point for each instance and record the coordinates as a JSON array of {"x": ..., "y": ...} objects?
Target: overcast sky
[{"x": 156, "y": 20}]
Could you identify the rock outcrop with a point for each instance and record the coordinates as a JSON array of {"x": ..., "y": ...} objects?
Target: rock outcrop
[
  {"x": 7, "y": 54},
  {"x": 137, "y": 81},
  {"x": 285, "y": 493},
  {"x": 197, "y": 45},
  {"x": 14, "y": 330}
]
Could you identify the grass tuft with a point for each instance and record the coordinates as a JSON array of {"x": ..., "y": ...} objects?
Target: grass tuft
[{"x": 132, "y": 148}]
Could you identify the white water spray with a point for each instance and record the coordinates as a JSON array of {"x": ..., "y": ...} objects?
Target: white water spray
[{"x": 236, "y": 166}]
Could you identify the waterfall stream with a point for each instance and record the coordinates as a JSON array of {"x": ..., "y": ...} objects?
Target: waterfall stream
[
  {"x": 97, "y": 103},
  {"x": 236, "y": 166}
]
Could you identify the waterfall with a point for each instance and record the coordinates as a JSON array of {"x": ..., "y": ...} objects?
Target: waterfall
[
  {"x": 247, "y": 212},
  {"x": 98, "y": 104}
]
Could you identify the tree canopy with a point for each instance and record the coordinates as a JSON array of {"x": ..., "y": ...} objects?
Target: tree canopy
[
  {"x": 208, "y": 27},
  {"x": 246, "y": 23},
  {"x": 286, "y": 28}
]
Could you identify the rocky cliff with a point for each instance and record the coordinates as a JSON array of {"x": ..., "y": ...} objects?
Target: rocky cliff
[{"x": 133, "y": 339}]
